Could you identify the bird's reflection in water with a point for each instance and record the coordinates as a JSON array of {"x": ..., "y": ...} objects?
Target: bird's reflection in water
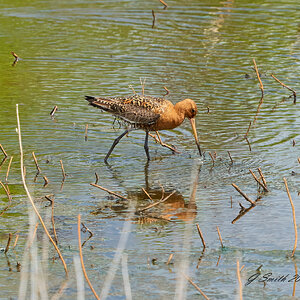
[{"x": 173, "y": 208}]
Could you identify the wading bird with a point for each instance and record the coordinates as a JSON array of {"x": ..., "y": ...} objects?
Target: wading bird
[{"x": 147, "y": 113}]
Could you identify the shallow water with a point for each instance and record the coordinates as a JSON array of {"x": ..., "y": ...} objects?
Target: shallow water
[{"x": 201, "y": 51}]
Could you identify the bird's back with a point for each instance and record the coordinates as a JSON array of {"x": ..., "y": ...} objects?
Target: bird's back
[{"x": 137, "y": 110}]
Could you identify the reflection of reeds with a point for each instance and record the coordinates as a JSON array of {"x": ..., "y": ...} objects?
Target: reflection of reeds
[{"x": 294, "y": 93}]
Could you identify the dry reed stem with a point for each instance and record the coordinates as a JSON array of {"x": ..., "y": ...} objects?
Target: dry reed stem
[
  {"x": 86, "y": 229},
  {"x": 81, "y": 259},
  {"x": 242, "y": 267},
  {"x": 262, "y": 176},
  {"x": 294, "y": 285},
  {"x": 108, "y": 191},
  {"x": 294, "y": 216},
  {"x": 46, "y": 180},
  {"x": 16, "y": 241},
  {"x": 248, "y": 144},
  {"x": 250, "y": 123},
  {"x": 52, "y": 221},
  {"x": 258, "y": 77},
  {"x": 256, "y": 179},
  {"x": 170, "y": 258},
  {"x": 230, "y": 157},
  {"x": 219, "y": 258},
  {"x": 8, "y": 242},
  {"x": 154, "y": 204},
  {"x": 294, "y": 93},
  {"x": 147, "y": 194},
  {"x": 63, "y": 170},
  {"x": 8, "y": 168},
  {"x": 36, "y": 163},
  {"x": 201, "y": 236},
  {"x": 220, "y": 238},
  {"x": 6, "y": 191},
  {"x": 195, "y": 286},
  {"x": 143, "y": 85},
  {"x": 239, "y": 280},
  {"x": 243, "y": 194},
  {"x": 85, "y": 132},
  {"x": 130, "y": 86},
  {"x": 167, "y": 91},
  {"x": 33, "y": 235},
  {"x": 3, "y": 151},
  {"x": 153, "y": 20},
  {"x": 53, "y": 111},
  {"x": 163, "y": 3},
  {"x": 97, "y": 178},
  {"x": 212, "y": 158},
  {"x": 29, "y": 196}
]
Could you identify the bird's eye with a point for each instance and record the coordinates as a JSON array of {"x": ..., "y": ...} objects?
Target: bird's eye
[{"x": 193, "y": 111}]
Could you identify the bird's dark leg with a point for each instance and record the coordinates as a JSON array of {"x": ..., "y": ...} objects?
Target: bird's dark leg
[
  {"x": 115, "y": 143},
  {"x": 146, "y": 145}
]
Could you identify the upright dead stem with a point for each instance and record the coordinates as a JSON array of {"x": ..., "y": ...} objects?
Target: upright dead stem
[
  {"x": 220, "y": 238},
  {"x": 81, "y": 259},
  {"x": 201, "y": 236},
  {"x": 294, "y": 216},
  {"x": 239, "y": 280},
  {"x": 29, "y": 196},
  {"x": 243, "y": 194},
  {"x": 3, "y": 151}
]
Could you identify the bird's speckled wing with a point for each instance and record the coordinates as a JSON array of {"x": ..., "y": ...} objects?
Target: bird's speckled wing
[{"x": 139, "y": 111}]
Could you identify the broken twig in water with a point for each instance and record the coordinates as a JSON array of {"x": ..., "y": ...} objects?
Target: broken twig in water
[
  {"x": 8, "y": 242},
  {"x": 195, "y": 286},
  {"x": 36, "y": 163},
  {"x": 230, "y": 157},
  {"x": 167, "y": 91},
  {"x": 262, "y": 177},
  {"x": 153, "y": 20},
  {"x": 238, "y": 273},
  {"x": 201, "y": 236},
  {"x": 63, "y": 170},
  {"x": 243, "y": 194},
  {"x": 8, "y": 168},
  {"x": 294, "y": 93},
  {"x": 108, "y": 191},
  {"x": 85, "y": 132},
  {"x": 97, "y": 178},
  {"x": 164, "y": 3},
  {"x": 29, "y": 196},
  {"x": 147, "y": 194},
  {"x": 3, "y": 151},
  {"x": 81, "y": 259},
  {"x": 294, "y": 216},
  {"x": 258, "y": 77},
  {"x": 220, "y": 238},
  {"x": 246, "y": 134},
  {"x": 256, "y": 179},
  {"x": 212, "y": 158},
  {"x": 248, "y": 143},
  {"x": 170, "y": 258},
  {"x": 53, "y": 111},
  {"x": 16, "y": 58}
]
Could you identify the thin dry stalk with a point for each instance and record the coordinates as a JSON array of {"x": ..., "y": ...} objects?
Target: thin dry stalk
[
  {"x": 170, "y": 258},
  {"x": 262, "y": 176},
  {"x": 52, "y": 220},
  {"x": 256, "y": 179},
  {"x": 97, "y": 178},
  {"x": 248, "y": 143},
  {"x": 6, "y": 191},
  {"x": 81, "y": 259},
  {"x": 8, "y": 242},
  {"x": 201, "y": 236},
  {"x": 130, "y": 86},
  {"x": 46, "y": 181},
  {"x": 230, "y": 157},
  {"x": 143, "y": 85},
  {"x": 36, "y": 163},
  {"x": 85, "y": 132},
  {"x": 3, "y": 151},
  {"x": 147, "y": 194},
  {"x": 153, "y": 20},
  {"x": 29, "y": 196},
  {"x": 243, "y": 194},
  {"x": 294, "y": 216},
  {"x": 296, "y": 276},
  {"x": 16, "y": 241},
  {"x": 63, "y": 170},
  {"x": 167, "y": 91},
  {"x": 108, "y": 191},
  {"x": 220, "y": 238},
  {"x": 86, "y": 229},
  {"x": 258, "y": 77},
  {"x": 8, "y": 168},
  {"x": 53, "y": 111},
  {"x": 212, "y": 158},
  {"x": 154, "y": 204},
  {"x": 239, "y": 280},
  {"x": 195, "y": 286},
  {"x": 250, "y": 123},
  {"x": 163, "y": 3},
  {"x": 294, "y": 93}
]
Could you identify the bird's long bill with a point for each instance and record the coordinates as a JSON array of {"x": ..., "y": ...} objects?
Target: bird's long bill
[{"x": 193, "y": 123}]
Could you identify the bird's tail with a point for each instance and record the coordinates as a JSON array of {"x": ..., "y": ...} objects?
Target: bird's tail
[{"x": 102, "y": 103}]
